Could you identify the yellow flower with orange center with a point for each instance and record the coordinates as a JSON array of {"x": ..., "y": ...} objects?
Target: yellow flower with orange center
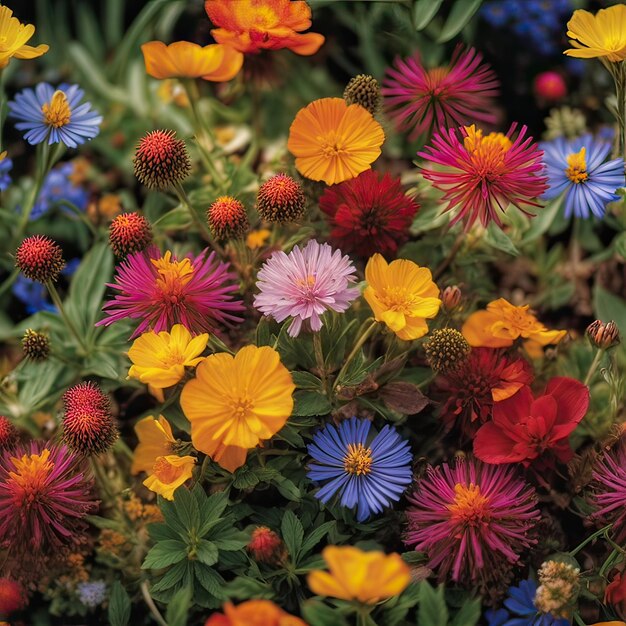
[
  {"x": 502, "y": 323},
  {"x": 402, "y": 295},
  {"x": 235, "y": 402},
  {"x": 160, "y": 359},
  {"x": 169, "y": 473},
  {"x": 601, "y": 35},
  {"x": 155, "y": 440},
  {"x": 367, "y": 577},
  {"x": 13, "y": 38},
  {"x": 253, "y": 613}
]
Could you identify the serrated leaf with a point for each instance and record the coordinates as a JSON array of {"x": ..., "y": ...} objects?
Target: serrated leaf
[
  {"x": 160, "y": 531},
  {"x": 424, "y": 11},
  {"x": 178, "y": 607},
  {"x": 306, "y": 380},
  {"x": 231, "y": 545},
  {"x": 172, "y": 577},
  {"x": 293, "y": 534},
  {"x": 165, "y": 553},
  {"x": 288, "y": 489},
  {"x": 461, "y": 13},
  {"x": 432, "y": 606},
  {"x": 310, "y": 403},
  {"x": 206, "y": 552},
  {"x": 316, "y": 535},
  {"x": 212, "y": 511},
  {"x": 210, "y": 580},
  {"x": 119, "y": 605},
  {"x": 497, "y": 238},
  {"x": 187, "y": 508}
]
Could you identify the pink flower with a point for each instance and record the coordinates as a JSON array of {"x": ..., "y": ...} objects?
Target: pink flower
[{"x": 304, "y": 284}]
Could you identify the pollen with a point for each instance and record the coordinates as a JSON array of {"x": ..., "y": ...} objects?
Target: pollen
[
  {"x": 358, "y": 459},
  {"x": 57, "y": 112},
  {"x": 576, "y": 169},
  {"x": 470, "y": 505},
  {"x": 173, "y": 276}
]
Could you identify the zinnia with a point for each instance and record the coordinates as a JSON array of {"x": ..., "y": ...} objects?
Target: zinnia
[
  {"x": 14, "y": 36},
  {"x": 234, "y": 403},
  {"x": 601, "y": 35},
  {"x": 253, "y": 613},
  {"x": 334, "y": 142},
  {"x": 155, "y": 440}
]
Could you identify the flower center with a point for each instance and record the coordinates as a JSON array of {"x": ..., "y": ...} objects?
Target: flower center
[
  {"x": 164, "y": 470},
  {"x": 400, "y": 300},
  {"x": 306, "y": 286},
  {"x": 576, "y": 169},
  {"x": 435, "y": 77},
  {"x": 57, "y": 112},
  {"x": 330, "y": 144},
  {"x": 358, "y": 459},
  {"x": 486, "y": 152},
  {"x": 470, "y": 505},
  {"x": 31, "y": 473},
  {"x": 172, "y": 279},
  {"x": 241, "y": 408}
]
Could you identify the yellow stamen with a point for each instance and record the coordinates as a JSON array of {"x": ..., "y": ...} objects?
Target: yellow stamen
[
  {"x": 173, "y": 274},
  {"x": 470, "y": 505},
  {"x": 358, "y": 459},
  {"x": 57, "y": 112},
  {"x": 32, "y": 470},
  {"x": 576, "y": 169}
]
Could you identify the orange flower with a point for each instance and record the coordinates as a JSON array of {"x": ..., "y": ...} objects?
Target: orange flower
[
  {"x": 169, "y": 473},
  {"x": 253, "y": 613},
  {"x": 155, "y": 440},
  {"x": 183, "y": 59},
  {"x": 254, "y": 25},
  {"x": 502, "y": 323},
  {"x": 334, "y": 142}
]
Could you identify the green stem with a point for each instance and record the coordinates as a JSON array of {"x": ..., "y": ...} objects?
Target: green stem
[
  {"x": 9, "y": 281},
  {"x": 589, "y": 539},
  {"x": 81, "y": 216},
  {"x": 593, "y": 367},
  {"x": 357, "y": 346},
  {"x": 54, "y": 294},
  {"x": 319, "y": 360}
]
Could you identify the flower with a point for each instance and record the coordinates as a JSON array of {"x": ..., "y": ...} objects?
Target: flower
[
  {"x": 451, "y": 298},
  {"x": 59, "y": 186},
  {"x": 484, "y": 173},
  {"x": 615, "y": 594},
  {"x": 333, "y": 141},
  {"x": 155, "y": 440},
  {"x": 55, "y": 115},
  {"x": 502, "y": 323},
  {"x": 257, "y": 238},
  {"x": 367, "y": 577},
  {"x": 550, "y": 86},
  {"x": 253, "y": 613},
  {"x": 161, "y": 160},
  {"x": 128, "y": 233},
  {"x": 559, "y": 586},
  {"x": 227, "y": 218},
  {"x": 304, "y": 284},
  {"x": 369, "y": 472},
  {"x": 32, "y": 294},
  {"x": 12, "y": 595},
  {"x": 368, "y": 214},
  {"x": 470, "y": 390},
  {"x": 254, "y": 25},
  {"x": 363, "y": 89},
  {"x": 266, "y": 546},
  {"x": 14, "y": 36},
  {"x": 92, "y": 593},
  {"x": 168, "y": 473},
  {"x": 445, "y": 349},
  {"x": 39, "y": 258},
  {"x": 421, "y": 100},
  {"x": 235, "y": 402},
  {"x": 35, "y": 345},
  {"x": 8, "y": 433},
  {"x": 402, "y": 295},
  {"x": 281, "y": 199},
  {"x": 603, "y": 336},
  {"x": 527, "y": 429},
  {"x": 601, "y": 35},
  {"x": 470, "y": 518},
  {"x": 577, "y": 169},
  {"x": 183, "y": 59},
  {"x": 6, "y": 165},
  {"x": 162, "y": 291}
]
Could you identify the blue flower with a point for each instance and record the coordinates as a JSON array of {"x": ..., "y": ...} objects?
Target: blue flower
[
  {"x": 55, "y": 116},
  {"x": 578, "y": 169},
  {"x": 5, "y": 167},
  {"x": 58, "y": 186},
  {"x": 368, "y": 474},
  {"x": 92, "y": 594}
]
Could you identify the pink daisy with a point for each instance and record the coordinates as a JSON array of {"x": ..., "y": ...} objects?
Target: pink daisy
[
  {"x": 421, "y": 100},
  {"x": 304, "y": 284},
  {"x": 161, "y": 291}
]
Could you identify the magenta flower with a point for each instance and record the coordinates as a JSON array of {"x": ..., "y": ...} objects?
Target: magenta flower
[
  {"x": 422, "y": 100},
  {"x": 304, "y": 284},
  {"x": 471, "y": 519},
  {"x": 162, "y": 291}
]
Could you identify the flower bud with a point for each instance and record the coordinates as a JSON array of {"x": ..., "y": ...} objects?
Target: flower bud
[
  {"x": 36, "y": 345},
  {"x": 603, "y": 336},
  {"x": 12, "y": 596},
  {"x": 550, "y": 86},
  {"x": 227, "y": 218},
  {"x": 39, "y": 258},
  {"x": 558, "y": 589},
  {"x": 128, "y": 233},
  {"x": 281, "y": 199},
  {"x": 364, "y": 90},
  {"x": 8, "y": 433},
  {"x": 266, "y": 546},
  {"x": 161, "y": 160},
  {"x": 450, "y": 298}
]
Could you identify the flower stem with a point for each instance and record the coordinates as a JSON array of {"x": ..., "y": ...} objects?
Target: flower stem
[
  {"x": 443, "y": 266},
  {"x": 145, "y": 592},
  {"x": 593, "y": 367},
  {"x": 319, "y": 360},
  {"x": 357, "y": 346},
  {"x": 591, "y": 537},
  {"x": 54, "y": 294}
]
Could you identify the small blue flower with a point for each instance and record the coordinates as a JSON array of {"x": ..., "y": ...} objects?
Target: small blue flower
[
  {"x": 369, "y": 473},
  {"x": 58, "y": 186},
  {"x": 5, "y": 167},
  {"x": 578, "y": 169},
  {"x": 92, "y": 594},
  {"x": 32, "y": 294},
  {"x": 54, "y": 115}
]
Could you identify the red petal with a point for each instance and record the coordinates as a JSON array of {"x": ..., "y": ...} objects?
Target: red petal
[
  {"x": 572, "y": 398},
  {"x": 492, "y": 445}
]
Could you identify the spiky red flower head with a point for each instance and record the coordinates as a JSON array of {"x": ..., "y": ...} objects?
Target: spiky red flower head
[
  {"x": 39, "y": 258},
  {"x": 12, "y": 596},
  {"x": 227, "y": 218},
  {"x": 281, "y": 199},
  {"x": 129, "y": 232},
  {"x": 88, "y": 426},
  {"x": 161, "y": 160},
  {"x": 8, "y": 433},
  {"x": 369, "y": 214},
  {"x": 266, "y": 546}
]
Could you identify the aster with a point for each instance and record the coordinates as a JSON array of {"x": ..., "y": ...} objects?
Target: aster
[
  {"x": 161, "y": 291},
  {"x": 55, "y": 115},
  {"x": 367, "y": 472},
  {"x": 578, "y": 169}
]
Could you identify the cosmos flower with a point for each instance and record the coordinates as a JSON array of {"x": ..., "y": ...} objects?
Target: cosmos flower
[
  {"x": 334, "y": 142},
  {"x": 14, "y": 36},
  {"x": 532, "y": 430},
  {"x": 253, "y": 613},
  {"x": 54, "y": 115},
  {"x": 168, "y": 473},
  {"x": 601, "y": 35},
  {"x": 483, "y": 174},
  {"x": 162, "y": 291},
  {"x": 578, "y": 169},
  {"x": 369, "y": 214},
  {"x": 421, "y": 100},
  {"x": 368, "y": 472},
  {"x": 367, "y": 577},
  {"x": 304, "y": 284},
  {"x": 155, "y": 440},
  {"x": 471, "y": 518},
  {"x": 5, "y": 167}
]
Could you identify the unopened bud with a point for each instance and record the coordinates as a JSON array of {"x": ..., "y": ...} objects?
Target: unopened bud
[
  {"x": 603, "y": 336},
  {"x": 266, "y": 546},
  {"x": 450, "y": 298}
]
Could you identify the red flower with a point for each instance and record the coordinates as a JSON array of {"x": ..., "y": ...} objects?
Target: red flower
[
  {"x": 615, "y": 594},
  {"x": 527, "y": 429},
  {"x": 369, "y": 214}
]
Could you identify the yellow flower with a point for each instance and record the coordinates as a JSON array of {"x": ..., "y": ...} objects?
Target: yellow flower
[
  {"x": 599, "y": 35},
  {"x": 169, "y": 473},
  {"x": 160, "y": 359},
  {"x": 502, "y": 323},
  {"x": 182, "y": 59},
  {"x": 257, "y": 238},
  {"x": 13, "y": 38},
  {"x": 368, "y": 577},
  {"x": 236, "y": 402},
  {"x": 402, "y": 295},
  {"x": 155, "y": 440}
]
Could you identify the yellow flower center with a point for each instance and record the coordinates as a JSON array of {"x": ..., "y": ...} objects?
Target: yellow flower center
[
  {"x": 470, "y": 505},
  {"x": 576, "y": 169},
  {"x": 173, "y": 276},
  {"x": 307, "y": 283},
  {"x": 487, "y": 152},
  {"x": 57, "y": 112},
  {"x": 358, "y": 459},
  {"x": 330, "y": 144},
  {"x": 31, "y": 472},
  {"x": 399, "y": 299},
  {"x": 435, "y": 77},
  {"x": 165, "y": 471},
  {"x": 170, "y": 357},
  {"x": 241, "y": 408}
]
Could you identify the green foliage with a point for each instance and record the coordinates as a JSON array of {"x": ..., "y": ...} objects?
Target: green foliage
[{"x": 119, "y": 605}]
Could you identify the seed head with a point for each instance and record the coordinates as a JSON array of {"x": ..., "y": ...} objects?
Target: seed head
[
  {"x": 8, "y": 433},
  {"x": 227, "y": 218},
  {"x": 128, "y": 233},
  {"x": 281, "y": 199},
  {"x": 39, "y": 258},
  {"x": 36, "y": 345},
  {"x": 446, "y": 348},
  {"x": 364, "y": 90},
  {"x": 161, "y": 160}
]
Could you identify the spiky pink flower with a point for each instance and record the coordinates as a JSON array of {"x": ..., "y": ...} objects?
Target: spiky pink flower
[
  {"x": 484, "y": 173},
  {"x": 162, "y": 291},
  {"x": 304, "y": 284},
  {"x": 422, "y": 100},
  {"x": 471, "y": 518}
]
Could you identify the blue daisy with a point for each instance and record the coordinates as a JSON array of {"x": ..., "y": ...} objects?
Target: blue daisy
[
  {"x": 55, "y": 115},
  {"x": 578, "y": 169},
  {"x": 368, "y": 472}
]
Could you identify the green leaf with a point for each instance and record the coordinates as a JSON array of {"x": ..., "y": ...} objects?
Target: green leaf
[
  {"x": 231, "y": 544},
  {"x": 541, "y": 223},
  {"x": 176, "y": 219},
  {"x": 459, "y": 16},
  {"x": 609, "y": 307},
  {"x": 210, "y": 580},
  {"x": 159, "y": 531},
  {"x": 498, "y": 239},
  {"x": 178, "y": 607},
  {"x": 206, "y": 552},
  {"x": 119, "y": 605},
  {"x": 424, "y": 11},
  {"x": 165, "y": 553},
  {"x": 172, "y": 577},
  {"x": 310, "y": 403},
  {"x": 432, "y": 609},
  {"x": 305, "y": 380},
  {"x": 469, "y": 613},
  {"x": 246, "y": 588},
  {"x": 316, "y": 535},
  {"x": 316, "y": 613},
  {"x": 288, "y": 490},
  {"x": 211, "y": 511},
  {"x": 293, "y": 534},
  {"x": 187, "y": 508}
]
